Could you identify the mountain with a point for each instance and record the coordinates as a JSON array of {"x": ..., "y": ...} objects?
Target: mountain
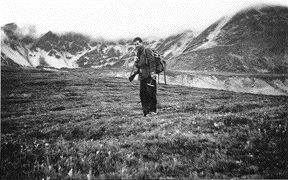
[
  {"x": 108, "y": 53},
  {"x": 254, "y": 40},
  {"x": 121, "y": 53},
  {"x": 7, "y": 62},
  {"x": 245, "y": 52},
  {"x": 74, "y": 50},
  {"x": 14, "y": 47},
  {"x": 174, "y": 45}
]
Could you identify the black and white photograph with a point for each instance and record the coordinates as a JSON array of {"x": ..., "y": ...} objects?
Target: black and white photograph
[{"x": 144, "y": 89}]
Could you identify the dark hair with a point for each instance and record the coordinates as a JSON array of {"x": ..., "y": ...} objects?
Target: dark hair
[{"x": 137, "y": 39}]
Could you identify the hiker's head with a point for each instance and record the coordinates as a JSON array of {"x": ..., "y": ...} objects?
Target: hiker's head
[{"x": 137, "y": 42}]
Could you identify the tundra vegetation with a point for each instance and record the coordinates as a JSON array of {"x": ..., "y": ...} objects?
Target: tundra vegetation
[{"x": 81, "y": 124}]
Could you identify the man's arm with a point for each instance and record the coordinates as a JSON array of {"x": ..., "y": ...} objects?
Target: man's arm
[
  {"x": 133, "y": 72},
  {"x": 136, "y": 65},
  {"x": 136, "y": 62},
  {"x": 131, "y": 77}
]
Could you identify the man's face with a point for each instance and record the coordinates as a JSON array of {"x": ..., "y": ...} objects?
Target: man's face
[{"x": 137, "y": 44}]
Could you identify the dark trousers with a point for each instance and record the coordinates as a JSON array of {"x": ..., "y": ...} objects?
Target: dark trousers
[{"x": 148, "y": 95}]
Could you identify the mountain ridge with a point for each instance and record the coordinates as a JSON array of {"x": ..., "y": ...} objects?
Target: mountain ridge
[{"x": 252, "y": 41}]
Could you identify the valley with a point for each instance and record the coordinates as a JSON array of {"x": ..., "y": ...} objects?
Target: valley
[{"x": 68, "y": 110}]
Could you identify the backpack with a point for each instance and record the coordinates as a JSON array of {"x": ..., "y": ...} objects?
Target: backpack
[{"x": 160, "y": 63}]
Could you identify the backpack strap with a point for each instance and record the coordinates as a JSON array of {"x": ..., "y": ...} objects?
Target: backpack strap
[{"x": 144, "y": 52}]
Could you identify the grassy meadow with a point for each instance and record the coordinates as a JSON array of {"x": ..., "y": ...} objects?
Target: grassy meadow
[{"x": 81, "y": 124}]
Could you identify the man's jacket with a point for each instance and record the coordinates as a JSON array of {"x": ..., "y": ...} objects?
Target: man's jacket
[{"x": 145, "y": 62}]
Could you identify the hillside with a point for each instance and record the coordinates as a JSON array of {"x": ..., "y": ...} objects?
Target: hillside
[
  {"x": 80, "y": 123},
  {"x": 266, "y": 84},
  {"x": 252, "y": 41}
]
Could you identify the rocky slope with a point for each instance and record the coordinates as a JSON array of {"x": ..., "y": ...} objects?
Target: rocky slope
[{"x": 254, "y": 40}]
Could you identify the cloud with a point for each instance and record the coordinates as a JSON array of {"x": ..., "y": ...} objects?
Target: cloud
[
  {"x": 112, "y": 19},
  {"x": 14, "y": 32}
]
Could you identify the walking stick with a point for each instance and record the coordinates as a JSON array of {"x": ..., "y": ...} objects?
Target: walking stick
[{"x": 165, "y": 72}]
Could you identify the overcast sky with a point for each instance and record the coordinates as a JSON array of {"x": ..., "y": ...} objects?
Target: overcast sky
[{"x": 112, "y": 19}]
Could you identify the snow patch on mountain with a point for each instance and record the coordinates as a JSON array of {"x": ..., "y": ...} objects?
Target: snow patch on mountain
[
  {"x": 235, "y": 83},
  {"x": 106, "y": 62},
  {"x": 65, "y": 59},
  {"x": 211, "y": 37},
  {"x": 14, "y": 55},
  {"x": 177, "y": 48}
]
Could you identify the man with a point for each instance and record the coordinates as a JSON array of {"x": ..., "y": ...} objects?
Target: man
[{"x": 146, "y": 67}]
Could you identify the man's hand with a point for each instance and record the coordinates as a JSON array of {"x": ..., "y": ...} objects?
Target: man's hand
[
  {"x": 131, "y": 78},
  {"x": 153, "y": 75}
]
